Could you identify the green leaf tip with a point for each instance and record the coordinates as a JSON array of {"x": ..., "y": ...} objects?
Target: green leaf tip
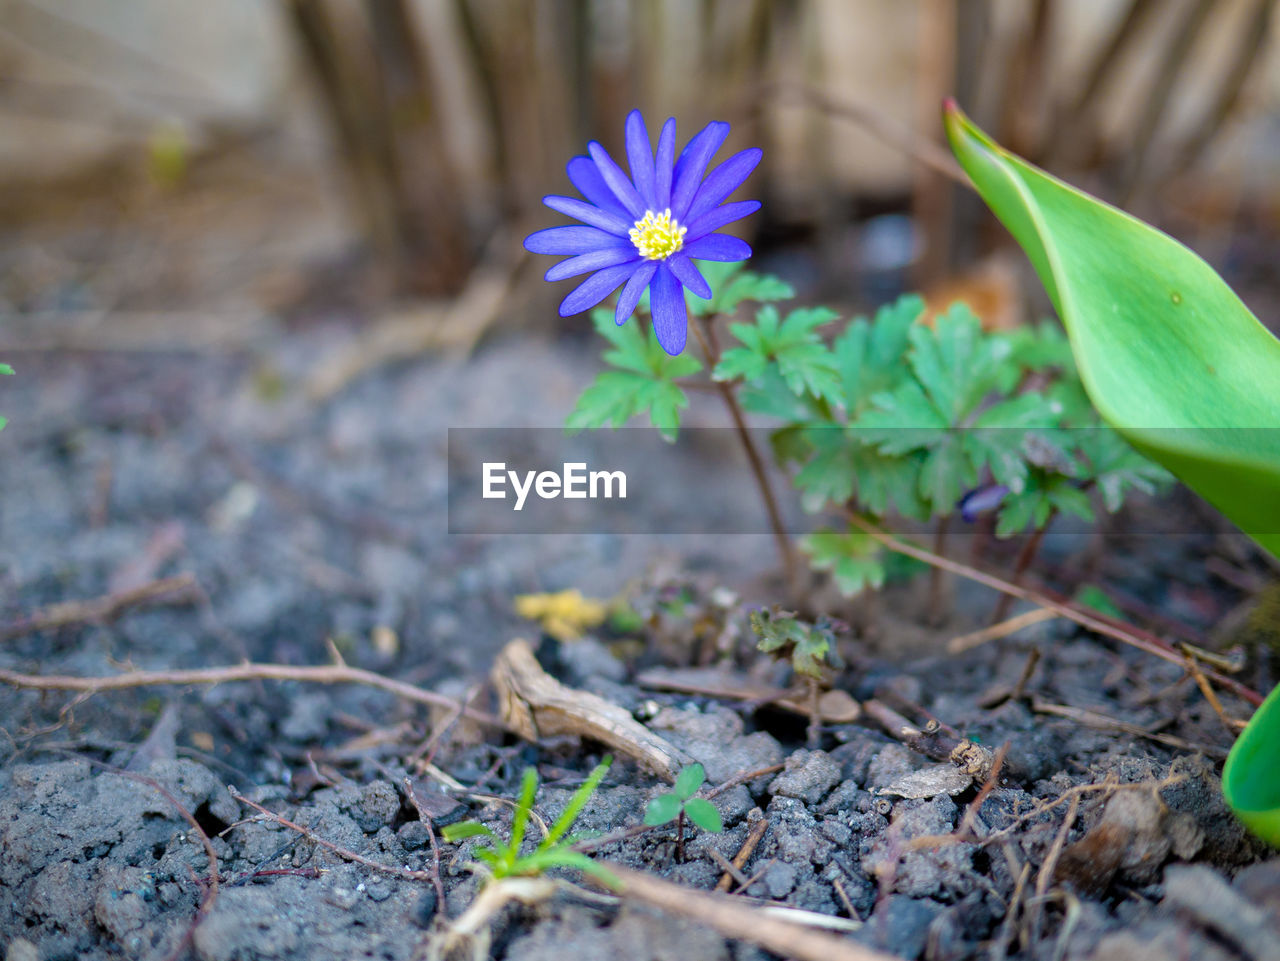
[
  {"x": 1251, "y": 776},
  {"x": 689, "y": 780}
]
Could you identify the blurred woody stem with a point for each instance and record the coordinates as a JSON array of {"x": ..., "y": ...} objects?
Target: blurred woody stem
[{"x": 704, "y": 330}]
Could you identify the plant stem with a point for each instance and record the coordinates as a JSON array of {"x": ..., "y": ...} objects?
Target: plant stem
[
  {"x": 812, "y": 735},
  {"x": 680, "y": 835},
  {"x": 935, "y": 615},
  {"x": 1020, "y": 566},
  {"x": 1098, "y": 623},
  {"x": 705, "y": 333}
]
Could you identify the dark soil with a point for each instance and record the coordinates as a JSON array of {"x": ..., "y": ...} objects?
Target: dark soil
[{"x": 305, "y": 525}]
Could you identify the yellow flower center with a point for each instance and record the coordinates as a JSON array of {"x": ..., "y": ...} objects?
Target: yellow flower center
[{"x": 657, "y": 236}]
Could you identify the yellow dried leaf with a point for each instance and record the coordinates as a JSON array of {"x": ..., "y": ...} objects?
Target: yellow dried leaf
[{"x": 565, "y": 615}]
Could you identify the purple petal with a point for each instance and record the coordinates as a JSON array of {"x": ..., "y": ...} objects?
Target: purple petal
[
  {"x": 718, "y": 247},
  {"x": 980, "y": 500},
  {"x": 640, "y": 159},
  {"x": 719, "y": 217},
  {"x": 584, "y": 175},
  {"x": 630, "y": 295},
  {"x": 571, "y": 240},
  {"x": 689, "y": 275},
  {"x": 723, "y": 181},
  {"x": 693, "y": 163},
  {"x": 622, "y": 188},
  {"x": 664, "y": 164},
  {"x": 666, "y": 303},
  {"x": 595, "y": 289},
  {"x": 592, "y": 260},
  {"x": 588, "y": 214}
]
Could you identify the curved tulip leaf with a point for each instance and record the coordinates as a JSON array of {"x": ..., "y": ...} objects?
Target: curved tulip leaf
[
  {"x": 1169, "y": 355},
  {"x": 1251, "y": 776},
  {"x": 1173, "y": 360}
]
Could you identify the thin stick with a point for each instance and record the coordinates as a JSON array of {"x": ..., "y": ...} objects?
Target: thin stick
[
  {"x": 425, "y": 818},
  {"x": 1045, "y": 877},
  {"x": 730, "y": 870},
  {"x": 934, "y": 615},
  {"x": 331, "y": 674},
  {"x": 1231, "y": 724},
  {"x": 344, "y": 853},
  {"x": 702, "y": 328},
  {"x": 967, "y": 642},
  {"x": 169, "y": 590},
  {"x": 1104, "y": 722},
  {"x": 882, "y": 125},
  {"x": 742, "y": 922},
  {"x": 743, "y": 778},
  {"x": 1105, "y": 626},
  {"x": 211, "y": 890},
  {"x": 1025, "y": 556},
  {"x": 744, "y": 854}
]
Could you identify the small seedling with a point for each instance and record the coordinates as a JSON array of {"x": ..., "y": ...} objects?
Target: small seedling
[
  {"x": 810, "y": 647},
  {"x": 680, "y": 802},
  {"x": 4, "y": 369},
  {"x": 502, "y": 859}
]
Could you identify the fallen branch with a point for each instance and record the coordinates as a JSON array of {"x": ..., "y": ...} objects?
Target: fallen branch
[
  {"x": 331, "y": 674},
  {"x": 179, "y": 589},
  {"x": 1099, "y": 624}
]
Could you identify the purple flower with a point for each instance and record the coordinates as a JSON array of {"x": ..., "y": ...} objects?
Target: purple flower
[
  {"x": 980, "y": 500},
  {"x": 646, "y": 230}
]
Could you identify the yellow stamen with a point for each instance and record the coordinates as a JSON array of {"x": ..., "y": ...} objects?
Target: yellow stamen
[{"x": 657, "y": 236}]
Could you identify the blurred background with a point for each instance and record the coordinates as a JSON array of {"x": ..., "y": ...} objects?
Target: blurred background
[
  {"x": 256, "y": 255},
  {"x": 306, "y": 159}
]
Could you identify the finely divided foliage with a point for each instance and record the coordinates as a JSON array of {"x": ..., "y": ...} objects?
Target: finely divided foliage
[{"x": 890, "y": 415}]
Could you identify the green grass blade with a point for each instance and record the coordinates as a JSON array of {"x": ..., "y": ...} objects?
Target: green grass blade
[
  {"x": 453, "y": 833},
  {"x": 524, "y": 804},
  {"x": 577, "y": 803}
]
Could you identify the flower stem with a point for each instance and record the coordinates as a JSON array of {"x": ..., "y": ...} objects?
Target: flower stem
[
  {"x": 1020, "y": 566},
  {"x": 935, "y": 614},
  {"x": 705, "y": 333}
]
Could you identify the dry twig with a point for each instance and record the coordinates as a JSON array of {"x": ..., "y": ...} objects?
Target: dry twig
[
  {"x": 1106, "y": 626},
  {"x": 331, "y": 674},
  {"x": 179, "y": 589},
  {"x": 967, "y": 642},
  {"x": 742, "y": 922},
  {"x": 1099, "y": 721},
  {"x": 743, "y": 856},
  {"x": 346, "y": 854}
]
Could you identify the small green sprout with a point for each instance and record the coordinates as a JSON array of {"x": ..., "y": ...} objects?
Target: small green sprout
[
  {"x": 502, "y": 859},
  {"x": 680, "y": 802},
  {"x": 811, "y": 647},
  {"x": 4, "y": 369}
]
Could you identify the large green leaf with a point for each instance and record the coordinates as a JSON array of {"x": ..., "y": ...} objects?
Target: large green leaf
[{"x": 1168, "y": 354}]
